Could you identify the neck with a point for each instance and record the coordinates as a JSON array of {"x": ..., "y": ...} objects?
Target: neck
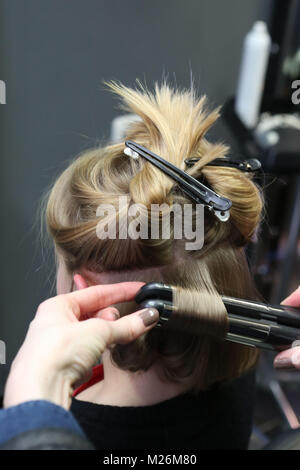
[{"x": 123, "y": 388}]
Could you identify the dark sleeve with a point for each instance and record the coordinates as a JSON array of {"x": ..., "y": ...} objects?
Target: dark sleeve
[
  {"x": 32, "y": 423},
  {"x": 47, "y": 439}
]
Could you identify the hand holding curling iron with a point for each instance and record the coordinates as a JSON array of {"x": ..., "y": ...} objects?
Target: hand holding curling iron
[
  {"x": 290, "y": 357},
  {"x": 67, "y": 337},
  {"x": 59, "y": 349}
]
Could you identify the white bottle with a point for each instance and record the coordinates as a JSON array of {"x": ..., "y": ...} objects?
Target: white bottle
[
  {"x": 251, "y": 82},
  {"x": 120, "y": 125}
]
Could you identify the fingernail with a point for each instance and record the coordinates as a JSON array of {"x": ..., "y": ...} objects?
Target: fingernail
[
  {"x": 149, "y": 316},
  {"x": 116, "y": 314},
  {"x": 284, "y": 363}
]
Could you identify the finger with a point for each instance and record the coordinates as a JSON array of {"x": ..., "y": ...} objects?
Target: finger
[
  {"x": 293, "y": 300},
  {"x": 124, "y": 330},
  {"x": 92, "y": 299},
  {"x": 108, "y": 314},
  {"x": 130, "y": 327},
  {"x": 288, "y": 359}
]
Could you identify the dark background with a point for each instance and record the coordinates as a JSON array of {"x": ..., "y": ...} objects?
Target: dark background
[{"x": 54, "y": 56}]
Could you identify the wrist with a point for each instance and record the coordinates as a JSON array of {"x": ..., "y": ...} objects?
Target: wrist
[{"x": 47, "y": 385}]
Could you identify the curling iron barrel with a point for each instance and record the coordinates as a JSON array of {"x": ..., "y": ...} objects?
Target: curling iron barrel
[{"x": 250, "y": 323}]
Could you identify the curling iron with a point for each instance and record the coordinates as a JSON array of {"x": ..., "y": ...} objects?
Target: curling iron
[{"x": 250, "y": 323}]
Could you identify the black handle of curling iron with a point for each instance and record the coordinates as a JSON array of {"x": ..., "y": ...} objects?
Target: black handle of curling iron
[{"x": 250, "y": 323}]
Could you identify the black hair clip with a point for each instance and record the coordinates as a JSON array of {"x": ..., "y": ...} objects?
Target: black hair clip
[
  {"x": 250, "y": 165},
  {"x": 197, "y": 191}
]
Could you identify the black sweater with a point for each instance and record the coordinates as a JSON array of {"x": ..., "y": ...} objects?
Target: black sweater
[{"x": 220, "y": 418}]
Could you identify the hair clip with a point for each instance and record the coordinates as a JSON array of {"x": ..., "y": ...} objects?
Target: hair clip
[
  {"x": 250, "y": 165},
  {"x": 197, "y": 191}
]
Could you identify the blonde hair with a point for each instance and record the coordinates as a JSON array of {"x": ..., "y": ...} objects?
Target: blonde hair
[{"x": 173, "y": 124}]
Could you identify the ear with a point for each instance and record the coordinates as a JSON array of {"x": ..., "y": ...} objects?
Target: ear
[{"x": 80, "y": 282}]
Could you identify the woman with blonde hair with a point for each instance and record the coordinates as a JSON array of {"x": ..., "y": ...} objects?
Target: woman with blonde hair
[{"x": 168, "y": 389}]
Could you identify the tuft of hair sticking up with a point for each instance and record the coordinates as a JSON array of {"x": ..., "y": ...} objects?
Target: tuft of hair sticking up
[{"x": 173, "y": 125}]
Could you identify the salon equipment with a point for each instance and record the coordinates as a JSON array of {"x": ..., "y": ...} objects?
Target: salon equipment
[
  {"x": 253, "y": 69},
  {"x": 250, "y": 323}
]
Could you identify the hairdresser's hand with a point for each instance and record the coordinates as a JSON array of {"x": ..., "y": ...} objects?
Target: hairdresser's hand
[
  {"x": 63, "y": 344},
  {"x": 290, "y": 357}
]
